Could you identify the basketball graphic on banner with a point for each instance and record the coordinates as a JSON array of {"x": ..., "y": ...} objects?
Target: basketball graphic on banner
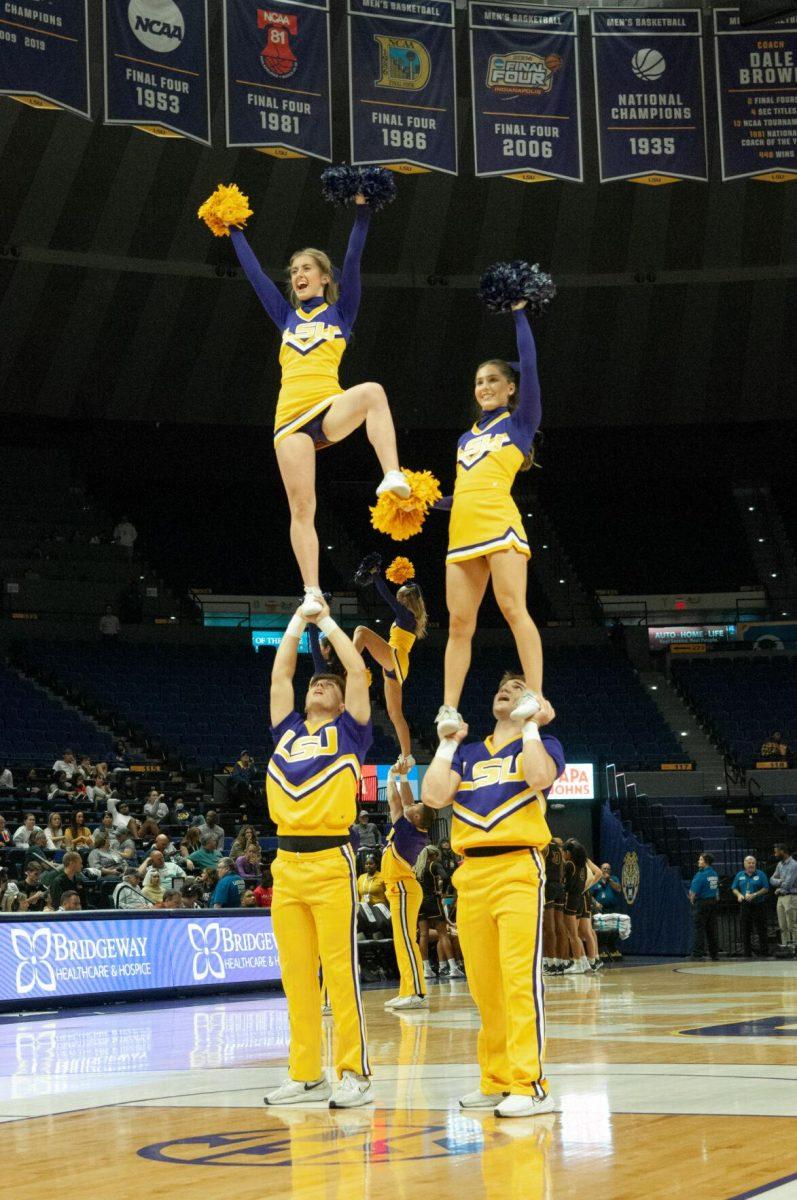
[{"x": 648, "y": 64}]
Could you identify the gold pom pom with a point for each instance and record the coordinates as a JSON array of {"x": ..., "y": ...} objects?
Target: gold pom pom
[
  {"x": 400, "y": 570},
  {"x": 401, "y": 519},
  {"x": 227, "y": 206}
]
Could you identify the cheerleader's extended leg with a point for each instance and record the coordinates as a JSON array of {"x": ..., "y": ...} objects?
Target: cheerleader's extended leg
[
  {"x": 365, "y": 639},
  {"x": 509, "y": 571},
  {"x": 466, "y": 583},
  {"x": 367, "y": 402},
  {"x": 296, "y": 461}
]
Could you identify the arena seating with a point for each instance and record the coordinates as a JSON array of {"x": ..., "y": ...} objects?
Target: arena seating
[
  {"x": 741, "y": 699},
  {"x": 36, "y": 727}
]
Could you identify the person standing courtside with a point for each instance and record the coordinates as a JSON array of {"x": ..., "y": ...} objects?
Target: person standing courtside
[
  {"x": 784, "y": 882},
  {"x": 312, "y": 783},
  {"x": 704, "y": 894},
  {"x": 498, "y": 788},
  {"x": 751, "y": 888}
]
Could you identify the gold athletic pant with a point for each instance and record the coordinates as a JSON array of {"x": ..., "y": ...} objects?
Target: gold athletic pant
[
  {"x": 404, "y": 897},
  {"x": 315, "y": 916},
  {"x": 499, "y": 920}
]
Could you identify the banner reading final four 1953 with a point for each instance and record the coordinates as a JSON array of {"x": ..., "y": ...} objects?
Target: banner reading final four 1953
[
  {"x": 757, "y": 97},
  {"x": 526, "y": 96},
  {"x": 44, "y": 59},
  {"x": 649, "y": 94},
  {"x": 156, "y": 67},
  {"x": 402, "y": 84},
  {"x": 276, "y": 70}
]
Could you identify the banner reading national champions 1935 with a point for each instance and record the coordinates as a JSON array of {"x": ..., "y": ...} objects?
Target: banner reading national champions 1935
[
  {"x": 757, "y": 97},
  {"x": 523, "y": 59},
  {"x": 156, "y": 67},
  {"x": 276, "y": 66},
  {"x": 44, "y": 58},
  {"x": 649, "y": 94},
  {"x": 402, "y": 84}
]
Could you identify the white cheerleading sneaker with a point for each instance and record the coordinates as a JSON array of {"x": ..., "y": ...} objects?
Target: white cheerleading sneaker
[
  {"x": 448, "y": 721},
  {"x": 312, "y": 604},
  {"x": 292, "y": 1091},
  {"x": 480, "y": 1099},
  {"x": 524, "y": 1106},
  {"x": 410, "y": 1002},
  {"x": 456, "y": 972},
  {"x": 352, "y": 1091},
  {"x": 393, "y": 1001},
  {"x": 526, "y": 707},
  {"x": 395, "y": 482}
]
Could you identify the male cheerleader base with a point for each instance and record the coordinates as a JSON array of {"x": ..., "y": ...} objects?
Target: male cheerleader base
[
  {"x": 312, "y": 782},
  {"x": 498, "y": 789},
  {"x": 405, "y": 842}
]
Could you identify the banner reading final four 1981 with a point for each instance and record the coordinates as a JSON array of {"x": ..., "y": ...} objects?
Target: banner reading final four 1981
[
  {"x": 156, "y": 67},
  {"x": 276, "y": 71},
  {"x": 44, "y": 59},
  {"x": 757, "y": 97},
  {"x": 649, "y": 94},
  {"x": 402, "y": 84},
  {"x": 526, "y": 97}
]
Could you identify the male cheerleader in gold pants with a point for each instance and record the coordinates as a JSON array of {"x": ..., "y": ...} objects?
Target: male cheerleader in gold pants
[
  {"x": 312, "y": 783},
  {"x": 498, "y": 788}
]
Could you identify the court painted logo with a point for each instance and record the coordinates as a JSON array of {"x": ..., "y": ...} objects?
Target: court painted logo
[
  {"x": 404, "y": 63},
  {"x": 630, "y": 876},
  {"x": 34, "y": 970},
  {"x": 158, "y": 24},
  {"x": 206, "y": 943}
]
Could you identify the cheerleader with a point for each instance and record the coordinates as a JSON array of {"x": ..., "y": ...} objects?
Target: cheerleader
[
  {"x": 393, "y": 655},
  {"x": 313, "y": 410},
  {"x": 487, "y": 541},
  {"x": 408, "y": 837}
]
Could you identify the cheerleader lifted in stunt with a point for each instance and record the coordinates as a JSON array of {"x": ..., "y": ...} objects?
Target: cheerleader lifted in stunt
[
  {"x": 313, "y": 410},
  {"x": 487, "y": 541}
]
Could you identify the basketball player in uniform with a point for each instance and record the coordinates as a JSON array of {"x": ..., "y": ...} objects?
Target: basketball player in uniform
[
  {"x": 312, "y": 782},
  {"x": 498, "y": 789},
  {"x": 576, "y": 875},
  {"x": 553, "y": 924},
  {"x": 407, "y": 838}
]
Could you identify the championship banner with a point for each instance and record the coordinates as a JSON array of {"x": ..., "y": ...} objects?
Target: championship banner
[
  {"x": 525, "y": 92},
  {"x": 44, "y": 59},
  {"x": 276, "y": 77},
  {"x": 650, "y": 94},
  {"x": 156, "y": 67},
  {"x": 402, "y": 84},
  {"x": 756, "y": 97}
]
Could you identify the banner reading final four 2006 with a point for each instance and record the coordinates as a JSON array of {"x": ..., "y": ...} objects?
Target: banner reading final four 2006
[
  {"x": 757, "y": 97},
  {"x": 649, "y": 94},
  {"x": 402, "y": 80},
  {"x": 526, "y": 101},
  {"x": 156, "y": 67},
  {"x": 276, "y": 67},
  {"x": 44, "y": 58}
]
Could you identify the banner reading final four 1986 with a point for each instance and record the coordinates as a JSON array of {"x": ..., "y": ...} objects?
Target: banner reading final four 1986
[
  {"x": 44, "y": 60},
  {"x": 156, "y": 67},
  {"x": 757, "y": 97},
  {"x": 402, "y": 84},
  {"x": 649, "y": 94},
  {"x": 526, "y": 96},
  {"x": 276, "y": 70}
]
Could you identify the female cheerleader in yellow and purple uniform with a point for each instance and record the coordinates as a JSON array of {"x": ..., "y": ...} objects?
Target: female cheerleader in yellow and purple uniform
[{"x": 486, "y": 536}]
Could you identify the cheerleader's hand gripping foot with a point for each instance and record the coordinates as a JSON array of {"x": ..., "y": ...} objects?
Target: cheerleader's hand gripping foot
[
  {"x": 448, "y": 721},
  {"x": 395, "y": 482},
  {"x": 527, "y": 706},
  {"x": 313, "y": 603}
]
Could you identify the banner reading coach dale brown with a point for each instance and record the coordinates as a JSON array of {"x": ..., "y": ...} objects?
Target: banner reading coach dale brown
[
  {"x": 402, "y": 84},
  {"x": 525, "y": 92}
]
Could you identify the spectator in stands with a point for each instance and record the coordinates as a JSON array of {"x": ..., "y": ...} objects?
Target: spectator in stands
[
  {"x": 371, "y": 885},
  {"x": 6, "y": 780},
  {"x": 61, "y": 789},
  {"x": 54, "y": 832},
  {"x": 169, "y": 871},
  {"x": 246, "y": 840},
  {"x": 128, "y": 894},
  {"x": 190, "y": 841},
  {"x": 105, "y": 860},
  {"x": 180, "y": 814},
  {"x": 107, "y": 824},
  {"x": 6, "y": 839},
  {"x": 31, "y": 887},
  {"x": 66, "y": 763},
  {"x": 70, "y": 902},
  {"x": 248, "y": 866},
  {"x": 248, "y": 899},
  {"x": 365, "y": 837},
  {"x": 127, "y": 840},
  {"x": 172, "y": 899},
  {"x": 109, "y": 625},
  {"x": 77, "y": 833},
  {"x": 207, "y": 856},
  {"x": 211, "y": 828},
  {"x": 26, "y": 830},
  {"x": 241, "y": 781},
  {"x": 85, "y": 767},
  {"x": 704, "y": 894},
  {"x": 784, "y": 882},
  {"x": 125, "y": 534},
  {"x": 192, "y": 895},
  {"x": 97, "y": 792},
  {"x": 11, "y": 899},
  {"x": 152, "y": 883},
  {"x": 155, "y": 807},
  {"x": 37, "y": 848},
  {"x": 228, "y": 889},
  {"x": 118, "y": 759},
  {"x": 264, "y": 891},
  {"x": 66, "y": 879},
  {"x": 751, "y": 888},
  {"x": 167, "y": 848},
  {"x": 775, "y": 746}
]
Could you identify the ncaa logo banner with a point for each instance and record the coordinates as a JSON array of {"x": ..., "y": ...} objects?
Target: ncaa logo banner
[
  {"x": 156, "y": 67},
  {"x": 649, "y": 94},
  {"x": 525, "y": 92},
  {"x": 276, "y": 69},
  {"x": 44, "y": 58},
  {"x": 402, "y": 84},
  {"x": 757, "y": 97}
]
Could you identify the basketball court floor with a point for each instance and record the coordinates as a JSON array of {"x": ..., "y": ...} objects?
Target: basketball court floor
[{"x": 671, "y": 1080}]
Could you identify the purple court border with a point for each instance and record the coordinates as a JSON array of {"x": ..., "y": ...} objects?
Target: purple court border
[{"x": 765, "y": 1187}]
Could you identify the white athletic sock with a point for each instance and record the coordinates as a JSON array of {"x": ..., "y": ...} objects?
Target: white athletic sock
[{"x": 452, "y": 963}]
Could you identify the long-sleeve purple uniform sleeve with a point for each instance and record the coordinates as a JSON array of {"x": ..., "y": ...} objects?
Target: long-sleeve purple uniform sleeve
[
  {"x": 350, "y": 284},
  {"x": 267, "y": 291},
  {"x": 404, "y": 618},
  {"x": 320, "y": 665},
  {"x": 526, "y": 417}
]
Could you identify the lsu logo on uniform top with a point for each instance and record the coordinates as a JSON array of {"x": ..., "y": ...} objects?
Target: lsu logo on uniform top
[
  {"x": 314, "y": 745},
  {"x": 158, "y": 24},
  {"x": 496, "y": 771},
  {"x": 307, "y": 335},
  {"x": 476, "y": 448}
]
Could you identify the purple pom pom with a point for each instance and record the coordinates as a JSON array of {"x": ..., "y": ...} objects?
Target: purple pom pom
[
  {"x": 341, "y": 184},
  {"x": 504, "y": 284},
  {"x": 378, "y": 186}
]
